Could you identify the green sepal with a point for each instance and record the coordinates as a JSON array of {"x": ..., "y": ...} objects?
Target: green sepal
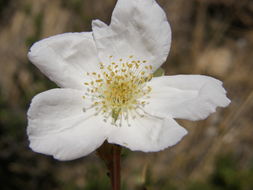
[{"x": 159, "y": 72}]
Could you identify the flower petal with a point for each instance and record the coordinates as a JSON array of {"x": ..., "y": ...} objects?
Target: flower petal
[
  {"x": 58, "y": 126},
  {"x": 190, "y": 97},
  {"x": 138, "y": 28},
  {"x": 65, "y": 58},
  {"x": 148, "y": 134}
]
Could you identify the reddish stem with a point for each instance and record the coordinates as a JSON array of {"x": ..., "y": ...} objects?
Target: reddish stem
[
  {"x": 115, "y": 167},
  {"x": 111, "y": 154}
]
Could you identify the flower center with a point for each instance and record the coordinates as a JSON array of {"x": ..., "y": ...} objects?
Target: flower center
[{"x": 116, "y": 90}]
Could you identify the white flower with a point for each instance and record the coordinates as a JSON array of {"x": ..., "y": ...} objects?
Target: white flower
[{"x": 107, "y": 90}]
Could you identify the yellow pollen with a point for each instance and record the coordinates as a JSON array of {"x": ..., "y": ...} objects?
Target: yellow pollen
[{"x": 117, "y": 91}]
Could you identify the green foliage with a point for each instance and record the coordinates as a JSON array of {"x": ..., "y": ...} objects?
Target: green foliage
[
  {"x": 227, "y": 176},
  {"x": 96, "y": 180}
]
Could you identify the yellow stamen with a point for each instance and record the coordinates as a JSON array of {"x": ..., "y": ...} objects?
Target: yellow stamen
[{"x": 116, "y": 90}]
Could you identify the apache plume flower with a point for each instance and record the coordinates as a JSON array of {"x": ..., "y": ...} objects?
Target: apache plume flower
[{"x": 108, "y": 91}]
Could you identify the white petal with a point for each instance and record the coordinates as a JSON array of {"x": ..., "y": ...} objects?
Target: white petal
[
  {"x": 58, "y": 126},
  {"x": 139, "y": 28},
  {"x": 190, "y": 97},
  {"x": 148, "y": 134},
  {"x": 65, "y": 58}
]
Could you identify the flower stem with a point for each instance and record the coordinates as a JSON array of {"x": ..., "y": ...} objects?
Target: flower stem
[
  {"x": 111, "y": 154},
  {"x": 115, "y": 167}
]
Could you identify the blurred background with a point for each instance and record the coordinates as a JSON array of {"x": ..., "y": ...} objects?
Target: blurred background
[{"x": 211, "y": 37}]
